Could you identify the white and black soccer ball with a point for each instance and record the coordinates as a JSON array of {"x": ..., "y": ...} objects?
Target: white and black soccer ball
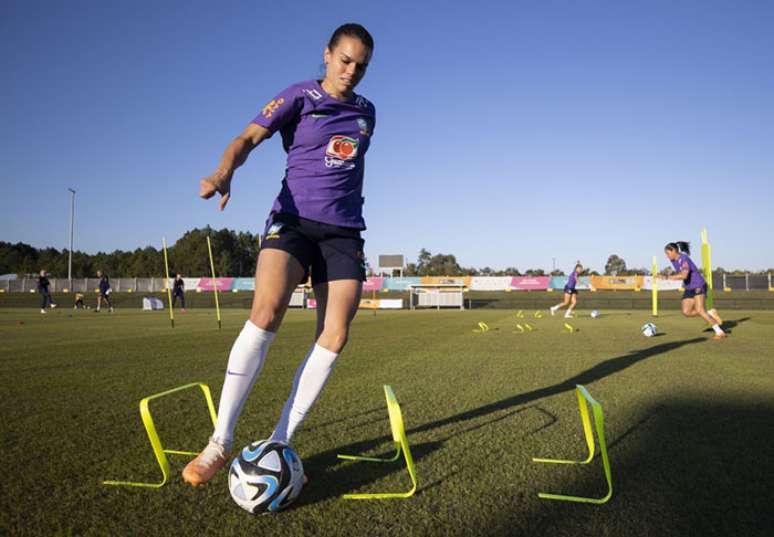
[
  {"x": 265, "y": 477},
  {"x": 594, "y": 314},
  {"x": 649, "y": 330}
]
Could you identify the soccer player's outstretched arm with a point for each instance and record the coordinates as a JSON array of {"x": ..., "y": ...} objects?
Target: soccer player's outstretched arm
[{"x": 235, "y": 155}]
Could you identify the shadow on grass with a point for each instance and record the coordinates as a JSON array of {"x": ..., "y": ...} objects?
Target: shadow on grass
[
  {"x": 688, "y": 467},
  {"x": 345, "y": 418},
  {"x": 729, "y": 325},
  {"x": 343, "y": 478}
]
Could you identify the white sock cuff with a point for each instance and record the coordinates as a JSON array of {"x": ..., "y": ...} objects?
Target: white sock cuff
[
  {"x": 318, "y": 350},
  {"x": 253, "y": 332}
]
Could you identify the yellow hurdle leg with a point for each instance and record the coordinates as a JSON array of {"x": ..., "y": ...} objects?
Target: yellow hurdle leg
[
  {"x": 153, "y": 436},
  {"x": 585, "y": 399},
  {"x": 402, "y": 446}
]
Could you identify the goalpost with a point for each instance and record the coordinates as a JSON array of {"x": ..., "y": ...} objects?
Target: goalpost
[{"x": 436, "y": 295}]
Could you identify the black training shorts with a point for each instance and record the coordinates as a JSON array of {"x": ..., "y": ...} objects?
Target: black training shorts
[{"x": 330, "y": 252}]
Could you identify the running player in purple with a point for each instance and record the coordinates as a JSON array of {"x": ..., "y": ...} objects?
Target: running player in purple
[
  {"x": 313, "y": 228},
  {"x": 694, "y": 284},
  {"x": 570, "y": 293}
]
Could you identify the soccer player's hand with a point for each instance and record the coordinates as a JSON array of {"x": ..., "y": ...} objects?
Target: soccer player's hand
[{"x": 217, "y": 182}]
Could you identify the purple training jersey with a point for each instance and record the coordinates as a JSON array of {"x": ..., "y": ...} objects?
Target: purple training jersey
[
  {"x": 326, "y": 141},
  {"x": 694, "y": 280},
  {"x": 572, "y": 281}
]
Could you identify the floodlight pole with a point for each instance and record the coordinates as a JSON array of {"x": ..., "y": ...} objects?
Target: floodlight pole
[{"x": 72, "y": 226}]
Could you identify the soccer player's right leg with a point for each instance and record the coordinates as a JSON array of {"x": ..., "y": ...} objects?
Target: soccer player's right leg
[
  {"x": 276, "y": 277},
  {"x": 559, "y": 306}
]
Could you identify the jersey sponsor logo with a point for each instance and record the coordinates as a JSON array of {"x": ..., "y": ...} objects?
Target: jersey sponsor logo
[
  {"x": 273, "y": 231},
  {"x": 342, "y": 147},
  {"x": 341, "y": 151},
  {"x": 362, "y": 123},
  {"x": 313, "y": 94},
  {"x": 272, "y": 107}
]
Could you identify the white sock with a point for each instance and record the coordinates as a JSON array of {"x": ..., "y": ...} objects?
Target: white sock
[
  {"x": 244, "y": 366},
  {"x": 568, "y": 313},
  {"x": 717, "y": 329},
  {"x": 309, "y": 382}
]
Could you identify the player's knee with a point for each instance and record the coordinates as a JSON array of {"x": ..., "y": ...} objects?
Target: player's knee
[
  {"x": 333, "y": 338},
  {"x": 266, "y": 317}
]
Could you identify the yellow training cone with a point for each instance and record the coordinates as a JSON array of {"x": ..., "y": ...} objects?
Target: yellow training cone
[{"x": 569, "y": 328}]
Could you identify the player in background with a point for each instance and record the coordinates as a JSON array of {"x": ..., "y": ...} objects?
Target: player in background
[
  {"x": 570, "y": 293},
  {"x": 314, "y": 226},
  {"x": 178, "y": 291},
  {"x": 694, "y": 284},
  {"x": 104, "y": 291},
  {"x": 45, "y": 296}
]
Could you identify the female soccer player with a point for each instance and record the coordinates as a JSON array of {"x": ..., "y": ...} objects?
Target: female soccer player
[
  {"x": 178, "y": 291},
  {"x": 314, "y": 225},
  {"x": 45, "y": 296},
  {"x": 570, "y": 293},
  {"x": 694, "y": 284},
  {"x": 104, "y": 291}
]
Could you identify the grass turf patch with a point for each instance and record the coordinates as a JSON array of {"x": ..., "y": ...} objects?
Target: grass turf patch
[{"x": 689, "y": 423}]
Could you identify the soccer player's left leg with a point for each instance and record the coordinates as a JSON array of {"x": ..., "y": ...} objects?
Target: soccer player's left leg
[
  {"x": 337, "y": 303},
  {"x": 688, "y": 307},
  {"x": 699, "y": 304}
]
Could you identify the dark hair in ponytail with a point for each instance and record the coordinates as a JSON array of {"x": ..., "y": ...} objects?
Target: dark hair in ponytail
[
  {"x": 679, "y": 246},
  {"x": 354, "y": 30}
]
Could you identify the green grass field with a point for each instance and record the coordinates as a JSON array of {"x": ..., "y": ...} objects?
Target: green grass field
[{"x": 690, "y": 424}]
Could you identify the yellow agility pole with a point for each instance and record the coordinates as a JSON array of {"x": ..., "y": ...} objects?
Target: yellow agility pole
[
  {"x": 155, "y": 441},
  {"x": 585, "y": 399},
  {"x": 166, "y": 283},
  {"x": 654, "y": 287},
  {"x": 214, "y": 282},
  {"x": 706, "y": 261},
  {"x": 401, "y": 446}
]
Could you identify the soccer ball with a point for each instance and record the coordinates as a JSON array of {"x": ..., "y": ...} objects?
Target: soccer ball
[
  {"x": 265, "y": 477},
  {"x": 594, "y": 314},
  {"x": 649, "y": 330}
]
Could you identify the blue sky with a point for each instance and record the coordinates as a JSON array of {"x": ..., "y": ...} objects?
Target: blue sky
[{"x": 509, "y": 133}]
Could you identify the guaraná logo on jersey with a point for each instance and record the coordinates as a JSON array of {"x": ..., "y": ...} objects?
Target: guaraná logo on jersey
[{"x": 340, "y": 150}]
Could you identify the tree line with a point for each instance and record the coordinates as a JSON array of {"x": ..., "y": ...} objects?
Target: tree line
[{"x": 234, "y": 254}]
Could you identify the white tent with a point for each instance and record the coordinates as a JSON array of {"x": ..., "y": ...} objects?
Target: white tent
[{"x": 152, "y": 303}]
